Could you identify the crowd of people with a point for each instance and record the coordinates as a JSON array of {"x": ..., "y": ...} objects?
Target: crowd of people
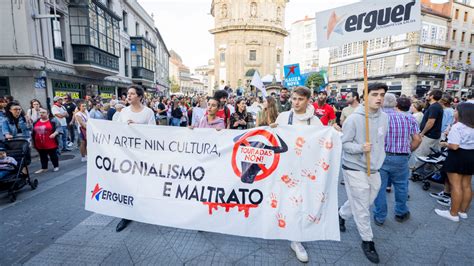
[{"x": 402, "y": 130}]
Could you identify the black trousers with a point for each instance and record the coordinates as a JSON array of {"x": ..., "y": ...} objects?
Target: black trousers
[{"x": 53, "y": 155}]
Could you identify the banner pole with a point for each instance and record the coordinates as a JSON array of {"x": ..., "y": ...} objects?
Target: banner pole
[{"x": 366, "y": 103}]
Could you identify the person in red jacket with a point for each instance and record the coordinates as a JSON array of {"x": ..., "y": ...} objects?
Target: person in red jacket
[{"x": 324, "y": 111}]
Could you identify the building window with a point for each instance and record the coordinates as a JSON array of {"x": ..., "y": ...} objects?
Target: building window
[
  {"x": 472, "y": 38},
  {"x": 463, "y": 34},
  {"x": 468, "y": 61},
  {"x": 146, "y": 35},
  {"x": 278, "y": 58},
  {"x": 222, "y": 57},
  {"x": 465, "y": 16},
  {"x": 96, "y": 27},
  {"x": 137, "y": 29},
  {"x": 454, "y": 35},
  {"x": 460, "y": 56},
  {"x": 451, "y": 54},
  {"x": 308, "y": 45},
  {"x": 253, "y": 55},
  {"x": 58, "y": 43},
  {"x": 456, "y": 14},
  {"x": 125, "y": 21},
  {"x": 4, "y": 86},
  {"x": 126, "y": 55},
  {"x": 143, "y": 57}
]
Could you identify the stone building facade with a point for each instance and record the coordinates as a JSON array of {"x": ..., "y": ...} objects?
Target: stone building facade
[
  {"x": 93, "y": 47},
  {"x": 410, "y": 63},
  {"x": 248, "y": 35}
]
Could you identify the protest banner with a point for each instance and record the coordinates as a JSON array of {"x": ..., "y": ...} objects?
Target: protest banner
[
  {"x": 366, "y": 20},
  {"x": 268, "y": 183},
  {"x": 363, "y": 21},
  {"x": 293, "y": 75}
]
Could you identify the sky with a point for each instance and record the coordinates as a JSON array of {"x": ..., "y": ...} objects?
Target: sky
[{"x": 184, "y": 24}]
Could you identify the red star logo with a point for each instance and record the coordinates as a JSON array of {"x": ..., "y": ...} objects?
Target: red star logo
[
  {"x": 292, "y": 70},
  {"x": 96, "y": 191}
]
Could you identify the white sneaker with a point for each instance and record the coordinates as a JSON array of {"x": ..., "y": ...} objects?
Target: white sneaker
[
  {"x": 462, "y": 215},
  {"x": 56, "y": 169},
  {"x": 84, "y": 159},
  {"x": 41, "y": 171},
  {"x": 300, "y": 251},
  {"x": 446, "y": 214}
]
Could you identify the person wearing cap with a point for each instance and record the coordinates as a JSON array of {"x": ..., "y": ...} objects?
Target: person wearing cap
[
  {"x": 60, "y": 112},
  {"x": 362, "y": 187},
  {"x": 324, "y": 111}
]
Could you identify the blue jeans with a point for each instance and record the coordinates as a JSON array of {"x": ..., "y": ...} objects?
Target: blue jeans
[
  {"x": 396, "y": 169},
  {"x": 175, "y": 122},
  {"x": 63, "y": 141}
]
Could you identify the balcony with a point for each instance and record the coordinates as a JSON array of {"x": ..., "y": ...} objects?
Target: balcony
[
  {"x": 435, "y": 43},
  {"x": 140, "y": 73},
  {"x": 94, "y": 61},
  {"x": 430, "y": 69}
]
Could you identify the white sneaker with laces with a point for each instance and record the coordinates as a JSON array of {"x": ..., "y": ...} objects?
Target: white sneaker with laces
[
  {"x": 300, "y": 251},
  {"x": 56, "y": 169},
  {"x": 446, "y": 214},
  {"x": 462, "y": 215}
]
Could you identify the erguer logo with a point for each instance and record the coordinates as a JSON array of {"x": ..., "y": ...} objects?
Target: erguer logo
[{"x": 371, "y": 20}]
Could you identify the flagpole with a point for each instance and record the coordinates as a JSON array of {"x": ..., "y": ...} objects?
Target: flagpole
[{"x": 366, "y": 103}]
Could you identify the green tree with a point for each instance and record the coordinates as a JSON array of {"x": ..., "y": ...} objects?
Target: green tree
[
  {"x": 174, "y": 86},
  {"x": 317, "y": 80}
]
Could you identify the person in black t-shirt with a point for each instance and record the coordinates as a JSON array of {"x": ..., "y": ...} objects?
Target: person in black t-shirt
[
  {"x": 70, "y": 108},
  {"x": 430, "y": 126}
]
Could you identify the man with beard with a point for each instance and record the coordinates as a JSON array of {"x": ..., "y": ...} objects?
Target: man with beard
[
  {"x": 353, "y": 100},
  {"x": 283, "y": 102},
  {"x": 324, "y": 111}
]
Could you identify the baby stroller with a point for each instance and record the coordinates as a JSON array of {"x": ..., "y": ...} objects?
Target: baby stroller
[
  {"x": 434, "y": 161},
  {"x": 19, "y": 177}
]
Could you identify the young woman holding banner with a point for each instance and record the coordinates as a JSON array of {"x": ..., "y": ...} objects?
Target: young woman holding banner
[{"x": 135, "y": 113}]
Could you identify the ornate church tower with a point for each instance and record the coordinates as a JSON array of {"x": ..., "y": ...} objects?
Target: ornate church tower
[{"x": 248, "y": 36}]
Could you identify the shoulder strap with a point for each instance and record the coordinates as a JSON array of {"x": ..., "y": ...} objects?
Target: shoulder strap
[{"x": 290, "y": 119}]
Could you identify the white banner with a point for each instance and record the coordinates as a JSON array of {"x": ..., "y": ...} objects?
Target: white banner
[
  {"x": 269, "y": 183},
  {"x": 367, "y": 20}
]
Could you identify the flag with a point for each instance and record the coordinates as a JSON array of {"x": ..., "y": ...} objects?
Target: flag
[{"x": 257, "y": 82}]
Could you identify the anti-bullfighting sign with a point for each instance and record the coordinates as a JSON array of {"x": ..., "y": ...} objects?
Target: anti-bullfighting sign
[{"x": 269, "y": 183}]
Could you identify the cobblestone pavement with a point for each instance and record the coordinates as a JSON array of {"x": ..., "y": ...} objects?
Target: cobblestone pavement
[{"x": 424, "y": 239}]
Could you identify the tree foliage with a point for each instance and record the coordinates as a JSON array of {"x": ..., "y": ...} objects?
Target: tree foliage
[{"x": 317, "y": 80}]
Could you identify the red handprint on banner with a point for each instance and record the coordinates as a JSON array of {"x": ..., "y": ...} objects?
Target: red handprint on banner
[
  {"x": 281, "y": 220},
  {"x": 296, "y": 200},
  {"x": 309, "y": 174},
  {"x": 273, "y": 201},
  {"x": 289, "y": 182},
  {"x": 322, "y": 163},
  {"x": 326, "y": 143},
  {"x": 314, "y": 219},
  {"x": 299, "y": 145}
]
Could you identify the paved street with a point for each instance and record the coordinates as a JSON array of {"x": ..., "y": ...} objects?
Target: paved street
[{"x": 50, "y": 226}]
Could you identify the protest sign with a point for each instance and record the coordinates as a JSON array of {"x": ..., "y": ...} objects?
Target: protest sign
[
  {"x": 293, "y": 75},
  {"x": 268, "y": 183},
  {"x": 366, "y": 20}
]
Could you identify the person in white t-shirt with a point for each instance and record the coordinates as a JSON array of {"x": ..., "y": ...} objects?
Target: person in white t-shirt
[
  {"x": 135, "y": 113},
  {"x": 60, "y": 112}
]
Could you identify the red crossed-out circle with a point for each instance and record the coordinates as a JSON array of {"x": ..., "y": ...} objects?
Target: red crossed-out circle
[{"x": 244, "y": 140}]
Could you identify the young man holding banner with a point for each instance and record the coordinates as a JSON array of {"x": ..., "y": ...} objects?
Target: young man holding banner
[
  {"x": 302, "y": 113},
  {"x": 361, "y": 188}
]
